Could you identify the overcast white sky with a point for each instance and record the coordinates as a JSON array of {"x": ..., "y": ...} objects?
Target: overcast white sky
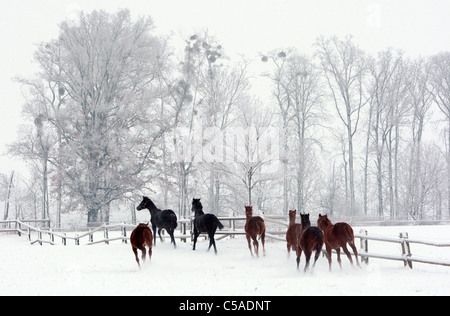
[{"x": 245, "y": 27}]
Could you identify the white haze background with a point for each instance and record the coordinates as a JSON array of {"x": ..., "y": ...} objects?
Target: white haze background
[{"x": 250, "y": 27}]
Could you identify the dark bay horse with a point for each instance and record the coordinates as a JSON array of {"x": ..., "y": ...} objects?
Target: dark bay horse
[
  {"x": 204, "y": 223},
  {"x": 166, "y": 219},
  {"x": 337, "y": 236},
  {"x": 293, "y": 235},
  {"x": 140, "y": 237},
  {"x": 310, "y": 240},
  {"x": 254, "y": 227}
]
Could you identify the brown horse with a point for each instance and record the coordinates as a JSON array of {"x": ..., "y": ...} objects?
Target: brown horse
[
  {"x": 310, "y": 240},
  {"x": 140, "y": 237},
  {"x": 337, "y": 236},
  {"x": 293, "y": 235},
  {"x": 254, "y": 227}
]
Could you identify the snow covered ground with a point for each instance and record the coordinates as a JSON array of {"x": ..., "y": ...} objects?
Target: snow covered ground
[{"x": 111, "y": 269}]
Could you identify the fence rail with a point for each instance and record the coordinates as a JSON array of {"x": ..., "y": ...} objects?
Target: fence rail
[{"x": 24, "y": 227}]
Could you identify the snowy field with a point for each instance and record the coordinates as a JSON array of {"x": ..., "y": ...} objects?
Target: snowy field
[{"x": 111, "y": 269}]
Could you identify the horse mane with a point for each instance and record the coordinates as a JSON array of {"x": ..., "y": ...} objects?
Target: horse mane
[{"x": 149, "y": 203}]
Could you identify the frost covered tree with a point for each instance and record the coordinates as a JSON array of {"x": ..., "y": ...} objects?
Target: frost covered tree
[
  {"x": 297, "y": 90},
  {"x": 102, "y": 70},
  {"x": 388, "y": 106},
  {"x": 345, "y": 68},
  {"x": 440, "y": 90}
]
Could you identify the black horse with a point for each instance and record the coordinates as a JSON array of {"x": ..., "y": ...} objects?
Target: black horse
[
  {"x": 162, "y": 219},
  {"x": 204, "y": 223},
  {"x": 310, "y": 240}
]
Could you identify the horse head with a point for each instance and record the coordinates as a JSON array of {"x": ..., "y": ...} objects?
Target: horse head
[
  {"x": 196, "y": 205},
  {"x": 146, "y": 203},
  {"x": 143, "y": 204},
  {"x": 305, "y": 220},
  {"x": 292, "y": 215},
  {"x": 249, "y": 211},
  {"x": 323, "y": 221}
]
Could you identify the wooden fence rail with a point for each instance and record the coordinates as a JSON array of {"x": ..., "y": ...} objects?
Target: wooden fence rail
[{"x": 23, "y": 227}]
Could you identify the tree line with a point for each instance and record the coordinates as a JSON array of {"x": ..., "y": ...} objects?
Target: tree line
[{"x": 104, "y": 113}]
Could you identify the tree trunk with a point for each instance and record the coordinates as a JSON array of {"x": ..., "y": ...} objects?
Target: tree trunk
[{"x": 5, "y": 217}]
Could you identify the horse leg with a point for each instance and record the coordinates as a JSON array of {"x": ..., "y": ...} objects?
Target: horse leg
[
  {"x": 352, "y": 245},
  {"x": 159, "y": 233},
  {"x": 349, "y": 256},
  {"x": 338, "y": 251},
  {"x": 144, "y": 252},
  {"x": 308, "y": 257},
  {"x": 154, "y": 234},
  {"x": 256, "y": 245},
  {"x": 249, "y": 244},
  {"x": 329, "y": 256},
  {"x": 211, "y": 239},
  {"x": 196, "y": 233},
  {"x": 149, "y": 253},
  {"x": 136, "y": 255},
  {"x": 316, "y": 256},
  {"x": 212, "y": 242},
  {"x": 318, "y": 251},
  {"x": 172, "y": 238},
  {"x": 263, "y": 238},
  {"x": 289, "y": 250},
  {"x": 299, "y": 254}
]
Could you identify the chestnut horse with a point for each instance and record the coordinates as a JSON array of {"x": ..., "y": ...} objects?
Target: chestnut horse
[
  {"x": 337, "y": 236},
  {"x": 310, "y": 240},
  {"x": 293, "y": 235},
  {"x": 254, "y": 227},
  {"x": 140, "y": 237}
]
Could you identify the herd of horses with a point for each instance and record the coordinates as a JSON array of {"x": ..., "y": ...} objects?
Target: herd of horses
[{"x": 300, "y": 237}]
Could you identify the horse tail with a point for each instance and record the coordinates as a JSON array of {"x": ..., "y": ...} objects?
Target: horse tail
[
  {"x": 319, "y": 240},
  {"x": 148, "y": 237},
  {"x": 173, "y": 218},
  {"x": 261, "y": 227},
  {"x": 219, "y": 224},
  {"x": 349, "y": 233}
]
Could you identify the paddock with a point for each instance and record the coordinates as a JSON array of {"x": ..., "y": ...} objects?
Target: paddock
[{"x": 110, "y": 269}]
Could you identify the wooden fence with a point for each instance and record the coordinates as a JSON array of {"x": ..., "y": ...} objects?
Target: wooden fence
[{"x": 235, "y": 227}]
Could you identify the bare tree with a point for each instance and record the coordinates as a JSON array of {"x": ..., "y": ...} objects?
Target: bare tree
[
  {"x": 440, "y": 90},
  {"x": 345, "y": 67},
  {"x": 388, "y": 90},
  {"x": 420, "y": 100},
  {"x": 101, "y": 72}
]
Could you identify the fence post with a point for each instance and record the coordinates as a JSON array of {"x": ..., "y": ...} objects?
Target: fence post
[
  {"x": 77, "y": 240},
  {"x": 105, "y": 233},
  {"x": 91, "y": 236},
  {"x": 124, "y": 233},
  {"x": 406, "y": 250},
  {"x": 64, "y": 239},
  {"x": 183, "y": 230},
  {"x": 364, "y": 246}
]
